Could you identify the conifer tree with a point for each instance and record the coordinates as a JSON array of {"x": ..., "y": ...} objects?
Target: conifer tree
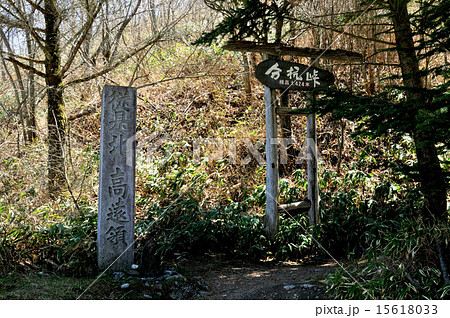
[{"x": 413, "y": 108}]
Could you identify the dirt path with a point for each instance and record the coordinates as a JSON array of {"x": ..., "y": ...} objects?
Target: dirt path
[
  {"x": 263, "y": 280},
  {"x": 205, "y": 277}
]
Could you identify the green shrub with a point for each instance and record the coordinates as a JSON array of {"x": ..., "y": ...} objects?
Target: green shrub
[
  {"x": 185, "y": 226},
  {"x": 176, "y": 221},
  {"x": 352, "y": 224},
  {"x": 67, "y": 246},
  {"x": 404, "y": 266}
]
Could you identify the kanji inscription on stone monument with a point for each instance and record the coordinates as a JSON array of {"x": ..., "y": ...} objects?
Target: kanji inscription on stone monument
[{"x": 116, "y": 180}]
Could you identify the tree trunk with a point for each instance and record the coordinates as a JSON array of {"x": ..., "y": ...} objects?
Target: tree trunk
[
  {"x": 31, "y": 128},
  {"x": 30, "y": 119},
  {"x": 56, "y": 120},
  {"x": 153, "y": 20},
  {"x": 4, "y": 78},
  {"x": 19, "y": 88},
  {"x": 430, "y": 172},
  {"x": 247, "y": 80}
]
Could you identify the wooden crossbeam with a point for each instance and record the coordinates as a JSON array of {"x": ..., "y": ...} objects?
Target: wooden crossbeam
[
  {"x": 291, "y": 111},
  {"x": 282, "y": 50},
  {"x": 294, "y": 208}
]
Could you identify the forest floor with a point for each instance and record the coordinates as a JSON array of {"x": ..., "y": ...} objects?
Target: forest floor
[
  {"x": 205, "y": 277},
  {"x": 234, "y": 279}
]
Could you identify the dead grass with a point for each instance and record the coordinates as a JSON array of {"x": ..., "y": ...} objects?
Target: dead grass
[{"x": 35, "y": 286}]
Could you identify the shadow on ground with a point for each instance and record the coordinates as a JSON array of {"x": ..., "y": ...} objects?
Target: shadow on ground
[{"x": 263, "y": 280}]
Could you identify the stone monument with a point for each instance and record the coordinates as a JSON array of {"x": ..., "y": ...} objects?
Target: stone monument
[{"x": 115, "y": 236}]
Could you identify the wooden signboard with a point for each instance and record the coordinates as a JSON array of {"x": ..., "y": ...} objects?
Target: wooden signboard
[{"x": 286, "y": 75}]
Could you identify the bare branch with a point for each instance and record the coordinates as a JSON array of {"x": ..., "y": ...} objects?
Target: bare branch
[
  {"x": 332, "y": 14},
  {"x": 83, "y": 113},
  {"x": 16, "y": 24},
  {"x": 369, "y": 63},
  {"x": 13, "y": 83},
  {"x": 86, "y": 28},
  {"x": 25, "y": 67},
  {"x": 123, "y": 26},
  {"x": 10, "y": 51},
  {"x": 121, "y": 59},
  {"x": 109, "y": 68},
  {"x": 23, "y": 20},
  {"x": 36, "y": 6},
  {"x": 339, "y": 31},
  {"x": 182, "y": 77},
  {"x": 23, "y": 58}
]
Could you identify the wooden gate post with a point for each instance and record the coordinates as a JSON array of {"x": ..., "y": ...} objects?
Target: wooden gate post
[
  {"x": 313, "y": 184},
  {"x": 285, "y": 75},
  {"x": 271, "y": 218}
]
